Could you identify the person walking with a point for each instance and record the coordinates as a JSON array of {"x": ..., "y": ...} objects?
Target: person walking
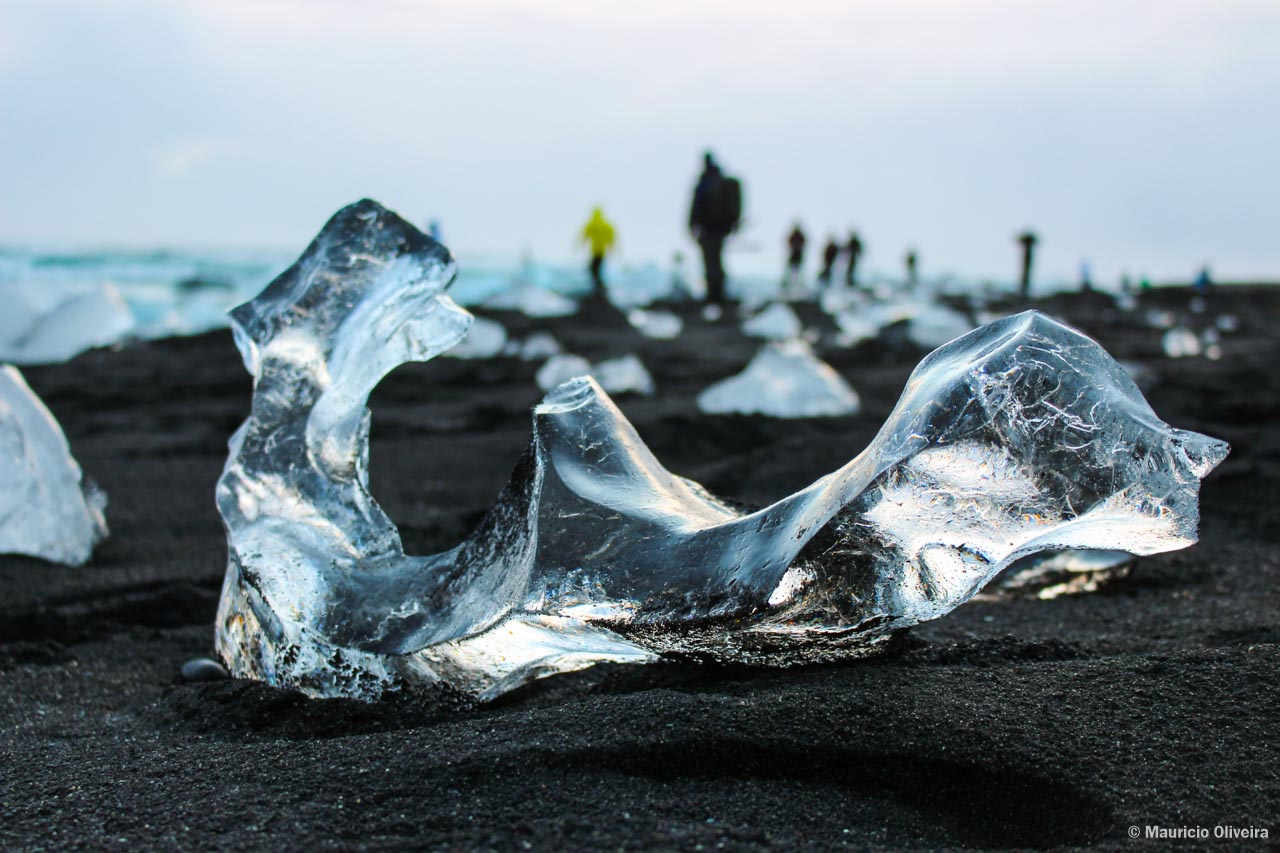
[
  {"x": 598, "y": 234},
  {"x": 854, "y": 249},
  {"x": 830, "y": 254},
  {"x": 912, "y": 262},
  {"x": 715, "y": 213},
  {"x": 1027, "y": 240},
  {"x": 795, "y": 260}
]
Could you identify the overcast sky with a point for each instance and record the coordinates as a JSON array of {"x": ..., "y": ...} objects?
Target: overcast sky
[{"x": 1142, "y": 136}]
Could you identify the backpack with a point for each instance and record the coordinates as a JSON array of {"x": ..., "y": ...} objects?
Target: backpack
[{"x": 724, "y": 205}]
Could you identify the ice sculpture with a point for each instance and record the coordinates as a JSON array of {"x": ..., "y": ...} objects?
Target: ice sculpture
[
  {"x": 1019, "y": 437},
  {"x": 777, "y": 322},
  {"x": 784, "y": 380},
  {"x": 624, "y": 375},
  {"x": 47, "y": 509}
]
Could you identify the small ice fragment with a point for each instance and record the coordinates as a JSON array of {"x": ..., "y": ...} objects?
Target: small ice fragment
[
  {"x": 936, "y": 325},
  {"x": 487, "y": 338},
  {"x": 855, "y": 327},
  {"x": 1180, "y": 342},
  {"x": 712, "y": 313},
  {"x": 1227, "y": 323},
  {"x": 1158, "y": 319},
  {"x": 1022, "y": 436},
  {"x": 47, "y": 508},
  {"x": 561, "y": 368},
  {"x": 776, "y": 323},
  {"x": 784, "y": 380},
  {"x": 78, "y": 323},
  {"x": 539, "y": 346},
  {"x": 532, "y": 301},
  {"x": 659, "y": 325},
  {"x": 623, "y": 375}
]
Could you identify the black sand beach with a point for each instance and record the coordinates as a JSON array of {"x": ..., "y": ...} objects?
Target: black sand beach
[{"x": 1022, "y": 723}]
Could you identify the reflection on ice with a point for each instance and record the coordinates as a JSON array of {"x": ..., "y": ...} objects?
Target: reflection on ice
[{"x": 1020, "y": 437}]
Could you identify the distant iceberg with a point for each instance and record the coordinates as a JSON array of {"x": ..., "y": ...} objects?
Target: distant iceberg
[{"x": 47, "y": 509}]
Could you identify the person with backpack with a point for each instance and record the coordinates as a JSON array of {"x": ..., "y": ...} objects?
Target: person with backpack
[{"x": 715, "y": 214}]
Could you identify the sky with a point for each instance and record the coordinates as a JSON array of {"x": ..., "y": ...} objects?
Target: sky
[{"x": 1139, "y": 136}]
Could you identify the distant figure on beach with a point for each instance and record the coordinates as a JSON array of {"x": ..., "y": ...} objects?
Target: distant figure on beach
[
  {"x": 854, "y": 248},
  {"x": 1086, "y": 277},
  {"x": 598, "y": 233},
  {"x": 1028, "y": 240},
  {"x": 830, "y": 255},
  {"x": 795, "y": 260},
  {"x": 1203, "y": 281},
  {"x": 912, "y": 260},
  {"x": 715, "y": 213},
  {"x": 679, "y": 281}
]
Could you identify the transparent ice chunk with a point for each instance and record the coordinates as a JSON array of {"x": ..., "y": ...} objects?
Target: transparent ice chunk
[
  {"x": 778, "y": 322},
  {"x": 783, "y": 380},
  {"x": 1019, "y": 437},
  {"x": 47, "y": 509}
]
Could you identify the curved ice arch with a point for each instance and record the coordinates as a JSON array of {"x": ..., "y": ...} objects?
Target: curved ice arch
[{"x": 1023, "y": 435}]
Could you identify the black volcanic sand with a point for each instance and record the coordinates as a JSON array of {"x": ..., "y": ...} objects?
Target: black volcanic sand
[{"x": 1021, "y": 723}]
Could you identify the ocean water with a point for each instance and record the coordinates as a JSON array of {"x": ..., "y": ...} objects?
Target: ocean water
[{"x": 119, "y": 294}]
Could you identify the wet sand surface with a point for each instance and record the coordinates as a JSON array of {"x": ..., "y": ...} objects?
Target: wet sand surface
[{"x": 1018, "y": 723}]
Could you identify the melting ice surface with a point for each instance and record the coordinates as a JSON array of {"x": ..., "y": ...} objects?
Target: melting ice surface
[
  {"x": 1019, "y": 437},
  {"x": 46, "y": 509}
]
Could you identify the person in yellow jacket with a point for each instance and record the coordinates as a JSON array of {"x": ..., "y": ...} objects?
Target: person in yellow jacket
[{"x": 598, "y": 233}]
